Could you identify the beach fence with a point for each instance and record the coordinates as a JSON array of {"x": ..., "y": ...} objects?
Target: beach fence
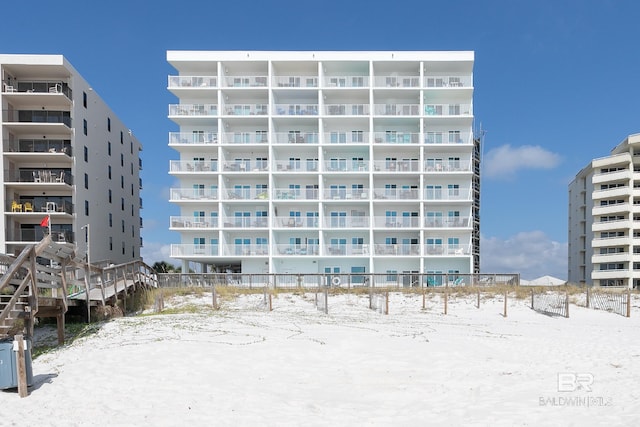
[
  {"x": 550, "y": 302},
  {"x": 322, "y": 300},
  {"x": 611, "y": 301},
  {"x": 379, "y": 301}
]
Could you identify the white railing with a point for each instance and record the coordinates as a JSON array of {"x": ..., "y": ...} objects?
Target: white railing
[
  {"x": 346, "y": 137},
  {"x": 245, "y": 194},
  {"x": 394, "y": 137},
  {"x": 295, "y": 109},
  {"x": 295, "y": 222},
  {"x": 246, "y": 222},
  {"x": 412, "y": 165},
  {"x": 177, "y": 138},
  {"x": 295, "y": 81},
  {"x": 193, "y": 194},
  {"x": 296, "y": 249},
  {"x": 446, "y": 249},
  {"x": 346, "y": 81},
  {"x": 193, "y": 109},
  {"x": 447, "y": 109},
  {"x": 296, "y": 138},
  {"x": 245, "y": 81},
  {"x": 193, "y": 166},
  {"x": 397, "y": 81},
  {"x": 346, "y": 194},
  {"x": 193, "y": 222},
  {"x": 396, "y": 221},
  {"x": 447, "y": 222},
  {"x": 242, "y": 166},
  {"x": 396, "y": 249},
  {"x": 447, "y": 81},
  {"x": 346, "y": 109},
  {"x": 348, "y": 221},
  {"x": 192, "y": 82},
  {"x": 190, "y": 249},
  {"x": 296, "y": 193},
  {"x": 462, "y": 165},
  {"x": 297, "y": 165},
  {"x": 396, "y": 109},
  {"x": 453, "y": 137},
  {"x": 245, "y": 138},
  {"x": 447, "y": 194},
  {"x": 382, "y": 193},
  {"x": 346, "y": 249},
  {"x": 346, "y": 165},
  {"x": 246, "y": 250},
  {"x": 246, "y": 109}
]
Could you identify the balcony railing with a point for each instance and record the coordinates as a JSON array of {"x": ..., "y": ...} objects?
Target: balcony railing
[
  {"x": 51, "y": 176},
  {"x": 41, "y": 146},
  {"x": 447, "y": 194},
  {"x": 295, "y": 109},
  {"x": 176, "y": 138},
  {"x": 397, "y": 81},
  {"x": 346, "y": 81},
  {"x": 463, "y": 165},
  {"x": 193, "y": 110},
  {"x": 453, "y": 137},
  {"x": 412, "y": 165},
  {"x": 257, "y": 166},
  {"x": 193, "y": 194},
  {"x": 246, "y": 222},
  {"x": 447, "y": 222},
  {"x": 297, "y": 165},
  {"x": 193, "y": 166},
  {"x": 296, "y": 193},
  {"x": 51, "y": 87},
  {"x": 296, "y": 249},
  {"x": 382, "y": 193},
  {"x": 193, "y": 222},
  {"x": 190, "y": 249},
  {"x": 393, "y": 137},
  {"x": 347, "y": 221},
  {"x": 345, "y": 249},
  {"x": 245, "y": 81},
  {"x": 447, "y": 109},
  {"x": 342, "y": 137},
  {"x": 246, "y": 194},
  {"x": 58, "y": 235},
  {"x": 346, "y": 194},
  {"x": 447, "y": 81},
  {"x": 396, "y": 249},
  {"x": 260, "y": 137},
  {"x": 295, "y": 81},
  {"x": 39, "y": 204},
  {"x": 37, "y": 116},
  {"x": 347, "y": 109},
  {"x": 192, "y": 82},
  {"x": 447, "y": 249},
  {"x": 246, "y": 109},
  {"x": 396, "y": 221},
  {"x": 344, "y": 165},
  {"x": 397, "y": 109},
  {"x": 295, "y": 222},
  {"x": 296, "y": 137}
]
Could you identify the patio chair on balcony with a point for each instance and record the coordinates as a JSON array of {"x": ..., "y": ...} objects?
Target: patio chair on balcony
[
  {"x": 16, "y": 207},
  {"x": 28, "y": 207},
  {"x": 61, "y": 177}
]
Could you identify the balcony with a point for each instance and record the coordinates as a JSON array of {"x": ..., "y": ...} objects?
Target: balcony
[
  {"x": 296, "y": 138},
  {"x": 193, "y": 222},
  {"x": 396, "y": 221},
  {"x": 341, "y": 137},
  {"x": 190, "y": 138},
  {"x": 39, "y": 146},
  {"x": 346, "y": 81},
  {"x": 245, "y": 81},
  {"x": 446, "y": 249},
  {"x": 344, "y": 165},
  {"x": 192, "y": 166},
  {"x": 447, "y": 194},
  {"x": 463, "y": 165},
  {"x": 259, "y": 137},
  {"x": 246, "y": 166},
  {"x": 410, "y": 165},
  {"x": 340, "y": 249},
  {"x": 397, "y": 249},
  {"x": 347, "y": 109},
  {"x": 37, "y": 116},
  {"x": 296, "y": 193},
  {"x": 295, "y": 222},
  {"x": 39, "y": 176},
  {"x": 447, "y": 222},
  {"x": 346, "y": 221},
  {"x": 193, "y": 194},
  {"x": 246, "y": 194},
  {"x": 32, "y": 88},
  {"x": 39, "y": 204},
  {"x": 397, "y": 81},
  {"x": 295, "y": 81},
  {"x": 394, "y": 137},
  {"x": 297, "y": 166},
  {"x": 34, "y": 235},
  {"x": 189, "y": 249},
  {"x": 382, "y": 193},
  {"x": 344, "y": 194},
  {"x": 186, "y": 82},
  {"x": 296, "y": 249},
  {"x": 447, "y": 109},
  {"x": 621, "y": 224},
  {"x": 396, "y": 109},
  {"x": 246, "y": 109},
  {"x": 246, "y": 222},
  {"x": 451, "y": 137},
  {"x": 193, "y": 110},
  {"x": 295, "y": 109},
  {"x": 447, "y": 81}
]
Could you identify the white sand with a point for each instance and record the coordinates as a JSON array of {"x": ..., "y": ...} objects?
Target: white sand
[{"x": 244, "y": 366}]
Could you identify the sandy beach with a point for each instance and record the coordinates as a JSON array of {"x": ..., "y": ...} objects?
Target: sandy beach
[{"x": 243, "y": 365}]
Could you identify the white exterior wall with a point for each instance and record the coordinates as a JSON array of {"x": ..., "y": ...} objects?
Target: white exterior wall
[
  {"x": 373, "y": 150},
  {"x": 580, "y": 227},
  {"x": 33, "y": 146}
]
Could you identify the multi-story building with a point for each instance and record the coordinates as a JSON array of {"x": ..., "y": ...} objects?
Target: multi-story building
[
  {"x": 66, "y": 156},
  {"x": 604, "y": 221},
  {"x": 325, "y": 162}
]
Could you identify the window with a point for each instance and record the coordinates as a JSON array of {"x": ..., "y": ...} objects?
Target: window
[
  {"x": 121, "y": 181},
  {"x": 108, "y": 148},
  {"x": 454, "y": 190},
  {"x": 86, "y": 154},
  {"x": 85, "y": 126},
  {"x": 122, "y": 225},
  {"x": 108, "y": 124},
  {"x": 86, "y": 208},
  {"x": 86, "y": 181},
  {"x": 110, "y": 243},
  {"x": 84, "y": 99},
  {"x": 454, "y": 137},
  {"x": 121, "y": 137},
  {"x": 110, "y": 220},
  {"x": 357, "y": 136},
  {"x": 121, "y": 160},
  {"x": 109, "y": 171},
  {"x": 122, "y": 203},
  {"x": 109, "y": 197}
]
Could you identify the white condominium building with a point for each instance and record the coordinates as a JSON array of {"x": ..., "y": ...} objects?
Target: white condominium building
[
  {"x": 325, "y": 162},
  {"x": 68, "y": 158},
  {"x": 604, "y": 219}
]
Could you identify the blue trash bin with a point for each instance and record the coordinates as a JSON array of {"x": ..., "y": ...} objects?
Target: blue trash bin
[{"x": 9, "y": 363}]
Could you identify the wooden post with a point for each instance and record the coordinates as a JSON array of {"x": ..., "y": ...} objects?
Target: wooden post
[
  {"x": 566, "y": 303},
  {"x": 214, "y": 297},
  {"x": 424, "y": 306},
  {"x": 60, "y": 326},
  {"x": 326, "y": 301},
  {"x": 628, "y": 302},
  {"x": 505, "y": 302},
  {"x": 21, "y": 367},
  {"x": 531, "y": 299},
  {"x": 478, "y": 297},
  {"x": 270, "y": 303},
  {"x": 446, "y": 296},
  {"x": 587, "y": 296},
  {"x": 386, "y": 307}
]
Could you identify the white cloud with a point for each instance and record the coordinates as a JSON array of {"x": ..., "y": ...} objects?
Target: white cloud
[
  {"x": 531, "y": 253},
  {"x": 153, "y": 252},
  {"x": 504, "y": 161}
]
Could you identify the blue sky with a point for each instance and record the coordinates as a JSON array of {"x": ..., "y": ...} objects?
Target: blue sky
[{"x": 556, "y": 85}]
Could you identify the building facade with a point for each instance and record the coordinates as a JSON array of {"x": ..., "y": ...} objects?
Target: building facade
[
  {"x": 604, "y": 222},
  {"x": 66, "y": 156},
  {"x": 325, "y": 162}
]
